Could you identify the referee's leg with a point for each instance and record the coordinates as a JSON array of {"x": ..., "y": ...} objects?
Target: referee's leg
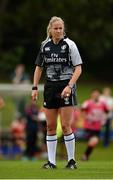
[
  {"x": 69, "y": 138},
  {"x": 51, "y": 137}
]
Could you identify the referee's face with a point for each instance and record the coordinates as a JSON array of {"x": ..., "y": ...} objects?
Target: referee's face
[{"x": 57, "y": 30}]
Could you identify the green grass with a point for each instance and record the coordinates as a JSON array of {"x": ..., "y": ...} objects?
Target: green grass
[
  {"x": 100, "y": 166},
  {"x": 89, "y": 170}
]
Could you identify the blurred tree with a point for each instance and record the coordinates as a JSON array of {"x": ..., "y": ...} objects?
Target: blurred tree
[
  {"x": 9, "y": 59},
  {"x": 88, "y": 22}
]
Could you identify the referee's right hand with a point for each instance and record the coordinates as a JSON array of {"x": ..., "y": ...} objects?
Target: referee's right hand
[{"x": 34, "y": 95}]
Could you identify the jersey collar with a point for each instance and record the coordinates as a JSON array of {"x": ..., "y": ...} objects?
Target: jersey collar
[{"x": 60, "y": 40}]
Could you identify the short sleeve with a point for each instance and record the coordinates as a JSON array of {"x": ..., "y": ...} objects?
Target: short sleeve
[{"x": 75, "y": 56}]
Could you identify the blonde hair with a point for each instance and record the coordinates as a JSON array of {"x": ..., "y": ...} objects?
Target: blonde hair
[{"x": 52, "y": 20}]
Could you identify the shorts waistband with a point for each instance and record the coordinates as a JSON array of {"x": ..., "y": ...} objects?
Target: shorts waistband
[{"x": 57, "y": 82}]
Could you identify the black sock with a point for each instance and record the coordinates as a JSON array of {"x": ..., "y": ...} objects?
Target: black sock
[{"x": 88, "y": 150}]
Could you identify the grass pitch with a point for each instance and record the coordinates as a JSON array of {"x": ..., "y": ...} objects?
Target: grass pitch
[
  {"x": 33, "y": 170},
  {"x": 100, "y": 166}
]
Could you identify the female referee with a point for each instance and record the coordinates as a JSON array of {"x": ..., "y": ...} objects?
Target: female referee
[{"x": 60, "y": 58}]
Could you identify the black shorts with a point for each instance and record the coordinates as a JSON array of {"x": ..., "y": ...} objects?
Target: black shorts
[
  {"x": 52, "y": 95},
  {"x": 90, "y": 133}
]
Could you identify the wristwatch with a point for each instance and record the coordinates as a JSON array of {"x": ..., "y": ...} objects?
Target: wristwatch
[{"x": 71, "y": 86}]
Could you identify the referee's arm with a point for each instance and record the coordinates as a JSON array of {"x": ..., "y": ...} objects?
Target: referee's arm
[
  {"x": 37, "y": 75},
  {"x": 76, "y": 74}
]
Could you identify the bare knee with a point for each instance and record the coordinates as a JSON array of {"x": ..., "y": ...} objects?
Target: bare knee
[
  {"x": 66, "y": 128},
  {"x": 51, "y": 129},
  {"x": 93, "y": 141},
  {"x": 51, "y": 117}
]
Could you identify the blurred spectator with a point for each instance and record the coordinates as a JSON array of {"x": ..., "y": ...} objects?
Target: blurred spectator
[
  {"x": 108, "y": 99},
  {"x": 31, "y": 131},
  {"x": 18, "y": 135},
  {"x": 20, "y": 77},
  {"x": 94, "y": 113}
]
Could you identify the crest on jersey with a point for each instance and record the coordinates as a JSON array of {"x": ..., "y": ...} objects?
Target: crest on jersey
[
  {"x": 47, "y": 48},
  {"x": 63, "y": 48}
]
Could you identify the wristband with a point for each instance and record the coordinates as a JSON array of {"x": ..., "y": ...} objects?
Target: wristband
[{"x": 34, "y": 88}]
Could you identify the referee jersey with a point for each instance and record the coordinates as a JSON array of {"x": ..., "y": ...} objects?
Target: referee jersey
[{"x": 58, "y": 59}]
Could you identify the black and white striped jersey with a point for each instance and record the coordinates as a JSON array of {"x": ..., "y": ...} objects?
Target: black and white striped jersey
[{"x": 58, "y": 59}]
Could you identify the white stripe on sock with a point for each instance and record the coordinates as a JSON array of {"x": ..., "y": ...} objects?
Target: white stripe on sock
[{"x": 49, "y": 138}]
